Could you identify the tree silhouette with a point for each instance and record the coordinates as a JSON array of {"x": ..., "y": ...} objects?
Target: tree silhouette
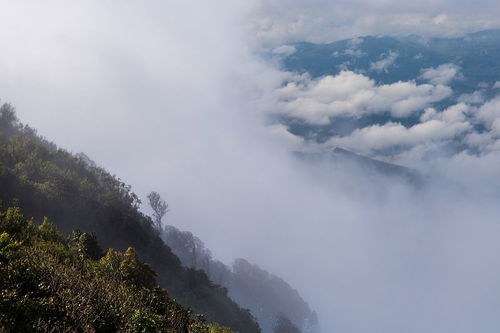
[{"x": 160, "y": 208}]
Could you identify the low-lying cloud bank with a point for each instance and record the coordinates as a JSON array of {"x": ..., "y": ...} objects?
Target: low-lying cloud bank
[
  {"x": 470, "y": 123},
  {"x": 354, "y": 95}
]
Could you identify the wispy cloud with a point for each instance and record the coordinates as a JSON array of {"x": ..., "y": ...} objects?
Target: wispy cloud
[
  {"x": 384, "y": 64},
  {"x": 443, "y": 74}
]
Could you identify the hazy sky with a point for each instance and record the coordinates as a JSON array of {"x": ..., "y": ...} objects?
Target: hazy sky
[
  {"x": 324, "y": 20},
  {"x": 171, "y": 96}
]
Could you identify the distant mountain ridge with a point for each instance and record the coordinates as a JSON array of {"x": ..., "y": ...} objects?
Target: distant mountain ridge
[
  {"x": 348, "y": 158},
  {"x": 387, "y": 169},
  {"x": 476, "y": 54}
]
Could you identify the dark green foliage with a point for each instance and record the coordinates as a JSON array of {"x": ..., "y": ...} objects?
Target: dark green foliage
[
  {"x": 135, "y": 272},
  {"x": 48, "y": 231},
  {"x": 86, "y": 244},
  {"x": 145, "y": 322},
  {"x": 76, "y": 194},
  {"x": 12, "y": 222},
  {"x": 47, "y": 285},
  {"x": 8, "y": 246}
]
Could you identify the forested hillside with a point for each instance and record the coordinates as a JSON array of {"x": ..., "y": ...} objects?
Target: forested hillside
[
  {"x": 54, "y": 283},
  {"x": 72, "y": 191},
  {"x": 271, "y": 299}
]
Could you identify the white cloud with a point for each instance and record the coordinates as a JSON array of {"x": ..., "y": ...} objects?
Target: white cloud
[
  {"x": 440, "y": 19},
  {"x": 385, "y": 63},
  {"x": 354, "y": 95},
  {"x": 355, "y": 42},
  {"x": 489, "y": 112},
  {"x": 453, "y": 114},
  {"x": 496, "y": 85},
  {"x": 394, "y": 135},
  {"x": 443, "y": 74},
  {"x": 354, "y": 53},
  {"x": 485, "y": 142},
  {"x": 282, "y": 132},
  {"x": 352, "y": 48},
  {"x": 478, "y": 140},
  {"x": 434, "y": 129}
]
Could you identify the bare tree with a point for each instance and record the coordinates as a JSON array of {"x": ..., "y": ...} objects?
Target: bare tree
[{"x": 160, "y": 208}]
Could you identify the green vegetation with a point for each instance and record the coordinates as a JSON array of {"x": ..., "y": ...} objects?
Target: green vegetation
[
  {"x": 75, "y": 193},
  {"x": 65, "y": 284}
]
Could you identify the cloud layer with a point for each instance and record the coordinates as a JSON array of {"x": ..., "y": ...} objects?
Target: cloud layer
[
  {"x": 434, "y": 128},
  {"x": 349, "y": 94},
  {"x": 468, "y": 123}
]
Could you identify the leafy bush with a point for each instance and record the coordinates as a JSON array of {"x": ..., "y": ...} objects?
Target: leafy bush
[{"x": 53, "y": 283}]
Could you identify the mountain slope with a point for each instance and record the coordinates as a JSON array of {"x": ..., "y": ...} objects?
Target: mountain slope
[
  {"x": 267, "y": 296},
  {"x": 53, "y": 283},
  {"x": 342, "y": 159},
  {"x": 76, "y": 194},
  {"x": 358, "y": 55}
]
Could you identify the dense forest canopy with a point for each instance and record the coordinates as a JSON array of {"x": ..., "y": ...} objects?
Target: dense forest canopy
[{"x": 54, "y": 283}]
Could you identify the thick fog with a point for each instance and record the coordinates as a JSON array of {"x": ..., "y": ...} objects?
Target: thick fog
[{"x": 173, "y": 96}]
